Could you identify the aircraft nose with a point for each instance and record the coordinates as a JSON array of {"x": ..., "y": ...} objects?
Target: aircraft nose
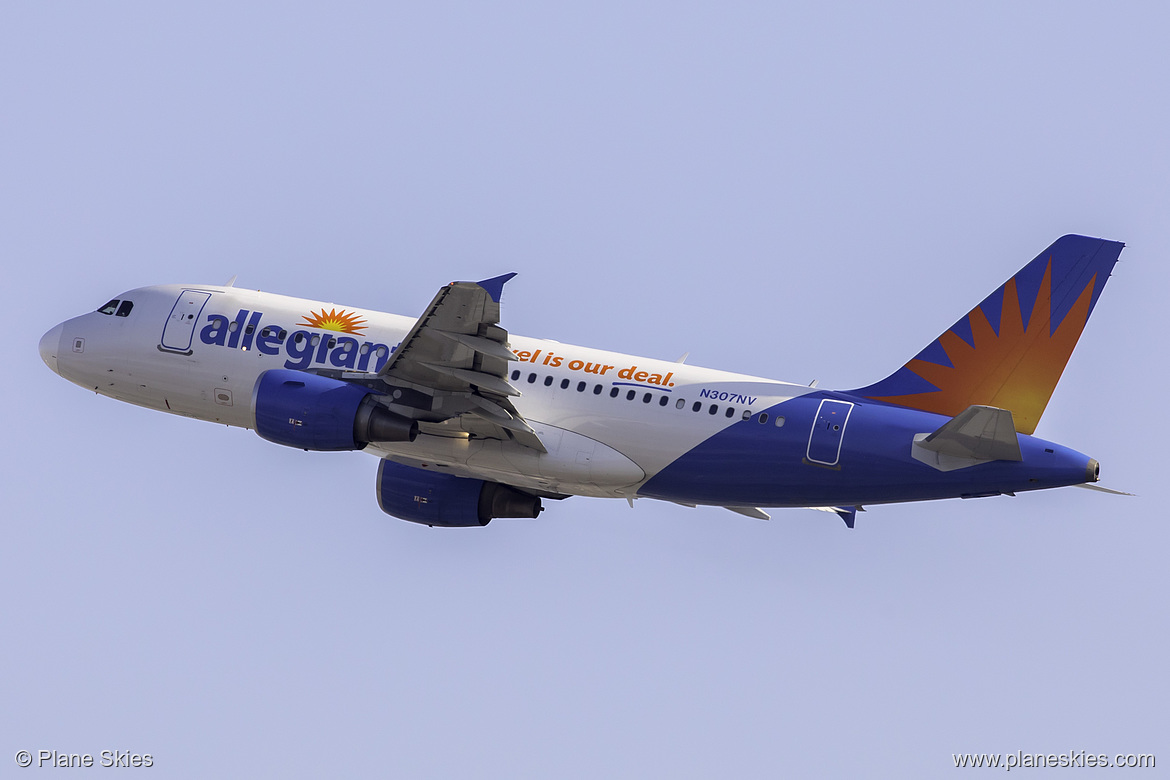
[{"x": 49, "y": 346}]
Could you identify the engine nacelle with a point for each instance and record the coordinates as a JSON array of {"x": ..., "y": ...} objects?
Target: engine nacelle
[
  {"x": 446, "y": 500},
  {"x": 312, "y": 412}
]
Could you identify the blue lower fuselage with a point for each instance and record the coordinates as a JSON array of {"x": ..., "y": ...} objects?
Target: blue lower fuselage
[{"x": 834, "y": 449}]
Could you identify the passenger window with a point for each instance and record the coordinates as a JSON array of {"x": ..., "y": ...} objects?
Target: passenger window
[
  {"x": 580, "y": 387},
  {"x": 714, "y": 409},
  {"x": 763, "y": 418},
  {"x": 547, "y": 381},
  {"x": 248, "y": 330},
  {"x": 110, "y": 307},
  {"x": 564, "y": 383},
  {"x": 779, "y": 422},
  {"x": 613, "y": 393},
  {"x": 280, "y": 336},
  {"x": 663, "y": 401},
  {"x": 698, "y": 405},
  {"x": 646, "y": 398},
  {"x": 597, "y": 389},
  {"x": 124, "y": 309},
  {"x": 630, "y": 395},
  {"x": 680, "y": 403},
  {"x": 515, "y": 375},
  {"x": 532, "y": 379},
  {"x": 730, "y": 412},
  {"x": 747, "y": 414}
]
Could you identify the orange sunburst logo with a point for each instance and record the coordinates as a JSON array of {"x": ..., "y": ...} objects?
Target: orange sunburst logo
[
  {"x": 340, "y": 321},
  {"x": 1016, "y": 369}
]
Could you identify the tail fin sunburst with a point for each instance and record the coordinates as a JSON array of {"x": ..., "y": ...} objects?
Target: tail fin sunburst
[{"x": 1010, "y": 350}]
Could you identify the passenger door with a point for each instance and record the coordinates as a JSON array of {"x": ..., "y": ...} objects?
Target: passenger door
[
  {"x": 180, "y": 327},
  {"x": 828, "y": 432}
]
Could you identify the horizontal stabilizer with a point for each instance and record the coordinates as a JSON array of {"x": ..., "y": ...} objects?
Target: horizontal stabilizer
[
  {"x": 1100, "y": 489},
  {"x": 979, "y": 432}
]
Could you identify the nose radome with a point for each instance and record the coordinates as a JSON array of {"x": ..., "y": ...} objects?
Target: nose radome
[{"x": 49, "y": 346}]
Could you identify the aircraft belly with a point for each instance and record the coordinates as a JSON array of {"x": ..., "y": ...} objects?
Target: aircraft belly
[{"x": 573, "y": 464}]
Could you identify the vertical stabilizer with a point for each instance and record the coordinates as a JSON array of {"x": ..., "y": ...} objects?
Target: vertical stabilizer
[{"x": 1010, "y": 350}]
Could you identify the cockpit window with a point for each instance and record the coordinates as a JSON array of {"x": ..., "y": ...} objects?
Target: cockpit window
[
  {"x": 110, "y": 307},
  {"x": 124, "y": 309}
]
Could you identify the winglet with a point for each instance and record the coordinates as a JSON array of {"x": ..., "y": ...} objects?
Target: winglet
[{"x": 495, "y": 285}]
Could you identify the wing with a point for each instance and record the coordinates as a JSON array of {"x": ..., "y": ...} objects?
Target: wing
[{"x": 451, "y": 370}]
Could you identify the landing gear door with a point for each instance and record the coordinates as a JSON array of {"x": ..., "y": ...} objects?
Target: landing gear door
[
  {"x": 180, "y": 327},
  {"x": 828, "y": 432}
]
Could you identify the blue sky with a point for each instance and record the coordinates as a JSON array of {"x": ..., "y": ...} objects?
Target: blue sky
[{"x": 797, "y": 193}]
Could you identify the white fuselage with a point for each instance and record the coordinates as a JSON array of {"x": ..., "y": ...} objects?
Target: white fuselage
[{"x": 609, "y": 421}]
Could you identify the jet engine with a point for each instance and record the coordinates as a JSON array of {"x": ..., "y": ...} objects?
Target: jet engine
[
  {"x": 312, "y": 412},
  {"x": 446, "y": 500}
]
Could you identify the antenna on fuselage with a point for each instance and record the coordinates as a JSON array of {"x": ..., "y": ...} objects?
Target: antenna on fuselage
[{"x": 683, "y": 357}]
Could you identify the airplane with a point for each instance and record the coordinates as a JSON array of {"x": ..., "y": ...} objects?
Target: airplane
[{"x": 471, "y": 423}]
